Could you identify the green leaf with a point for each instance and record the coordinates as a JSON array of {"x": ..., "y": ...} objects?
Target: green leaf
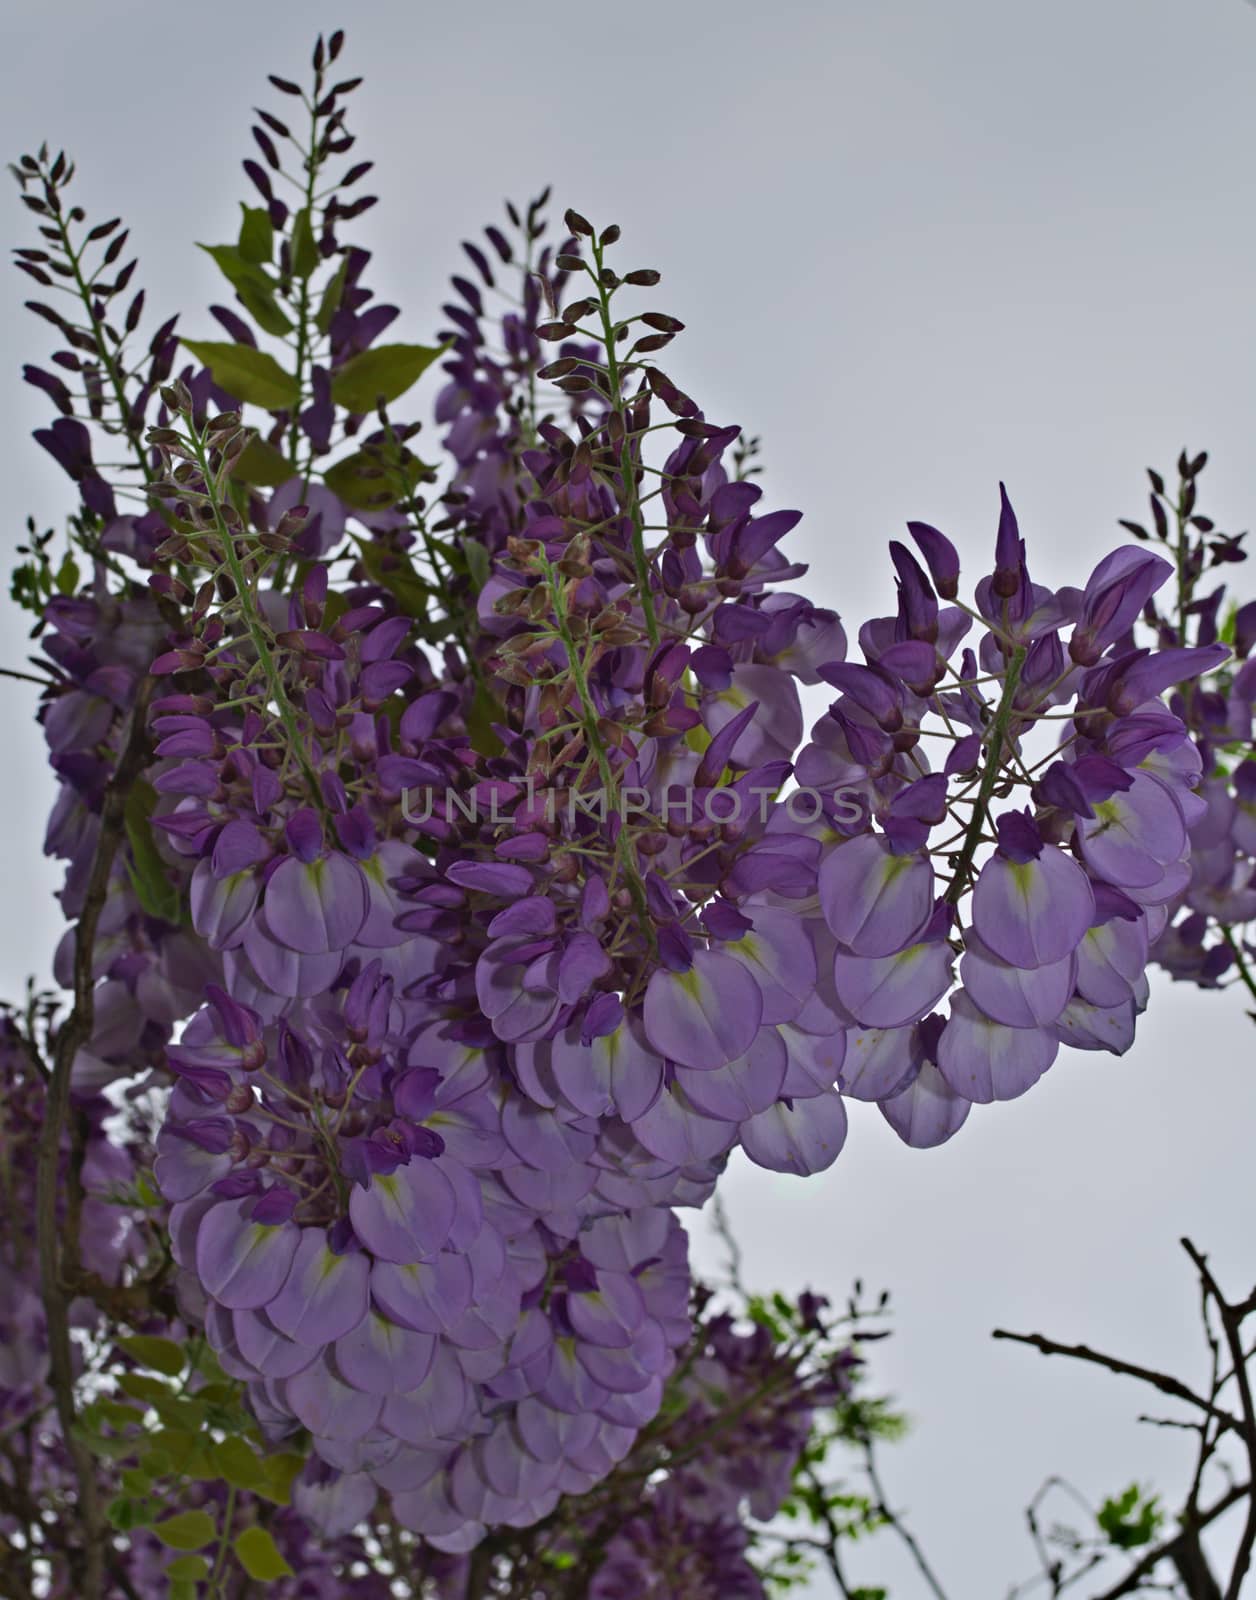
[
  {"x": 67, "y": 579},
  {"x": 257, "y": 235},
  {"x": 250, "y": 375},
  {"x": 136, "y": 1481},
  {"x": 394, "y": 571},
  {"x": 187, "y": 1530},
  {"x": 330, "y": 303},
  {"x": 305, "y": 256},
  {"x": 188, "y": 1568},
  {"x": 1132, "y": 1518},
  {"x": 361, "y": 481},
  {"x": 385, "y": 372},
  {"x": 259, "y": 463},
  {"x": 141, "y": 1387},
  {"x": 280, "y": 1472},
  {"x": 208, "y": 1366},
  {"x": 113, "y": 1411},
  {"x": 146, "y": 869},
  {"x": 367, "y": 482},
  {"x": 237, "y": 1463},
  {"x": 147, "y": 1190},
  {"x": 181, "y": 1411},
  {"x": 123, "y": 1513},
  {"x": 484, "y": 712},
  {"x": 253, "y": 285},
  {"x": 259, "y": 1555},
  {"x": 478, "y": 563},
  {"x": 170, "y": 1450},
  {"x": 181, "y": 1589},
  {"x": 158, "y": 1355}
]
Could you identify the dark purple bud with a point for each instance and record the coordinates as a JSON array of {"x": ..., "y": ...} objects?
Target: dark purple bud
[
  {"x": 675, "y": 948},
  {"x": 274, "y": 1207},
  {"x": 414, "y": 1092},
  {"x": 1019, "y": 839},
  {"x": 1100, "y": 778},
  {"x": 716, "y": 756},
  {"x": 941, "y": 557},
  {"x": 869, "y": 691},
  {"x": 913, "y": 661},
  {"x": 304, "y": 833},
  {"x": 604, "y": 1015},
  {"x": 1147, "y": 679},
  {"x": 724, "y": 921},
  {"x": 1114, "y": 597},
  {"x": 1111, "y": 905},
  {"x": 1008, "y": 550},
  {"x": 965, "y": 754},
  {"x": 1245, "y": 630},
  {"x": 917, "y": 603},
  {"x": 1060, "y": 787}
]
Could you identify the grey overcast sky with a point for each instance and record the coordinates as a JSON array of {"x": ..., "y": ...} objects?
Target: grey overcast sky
[{"x": 921, "y": 245}]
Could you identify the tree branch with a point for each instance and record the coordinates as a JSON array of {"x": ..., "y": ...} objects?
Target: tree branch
[
  {"x": 70, "y": 1038},
  {"x": 1164, "y": 1381},
  {"x": 1231, "y": 1323}
]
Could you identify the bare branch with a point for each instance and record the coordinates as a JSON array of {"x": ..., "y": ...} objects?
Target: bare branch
[{"x": 1164, "y": 1381}]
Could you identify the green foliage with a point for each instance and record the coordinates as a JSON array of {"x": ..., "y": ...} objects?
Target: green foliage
[
  {"x": 374, "y": 479},
  {"x": 188, "y": 1569},
  {"x": 305, "y": 256},
  {"x": 145, "y": 867},
  {"x": 330, "y": 302},
  {"x": 187, "y": 1530},
  {"x": 279, "y": 1472},
  {"x": 184, "y": 1424},
  {"x": 823, "y": 1508},
  {"x": 393, "y": 570},
  {"x": 484, "y": 712},
  {"x": 250, "y": 375},
  {"x": 158, "y": 1355},
  {"x": 259, "y": 1555},
  {"x": 253, "y": 286},
  {"x": 257, "y": 235},
  {"x": 384, "y": 373},
  {"x": 33, "y": 583},
  {"x": 260, "y": 464},
  {"x": 1131, "y": 1518}
]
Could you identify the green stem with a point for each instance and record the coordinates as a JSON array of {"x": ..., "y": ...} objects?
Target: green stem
[
  {"x": 303, "y": 301},
  {"x": 989, "y": 777},
  {"x": 632, "y": 502},
  {"x": 253, "y": 622},
  {"x": 1181, "y": 552},
  {"x": 590, "y": 721},
  {"x": 224, "y": 1539},
  {"x": 106, "y": 360},
  {"x": 1236, "y": 950}
]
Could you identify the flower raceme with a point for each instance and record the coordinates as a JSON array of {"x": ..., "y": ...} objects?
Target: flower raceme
[
  {"x": 515, "y": 1024},
  {"x": 1063, "y": 793},
  {"x": 453, "y": 1068}
]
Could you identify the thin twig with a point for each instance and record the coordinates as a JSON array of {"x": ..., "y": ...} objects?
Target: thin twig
[
  {"x": 1164, "y": 1381},
  {"x": 894, "y": 1521}
]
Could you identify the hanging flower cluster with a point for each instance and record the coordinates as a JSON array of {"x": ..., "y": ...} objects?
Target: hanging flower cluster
[
  {"x": 1208, "y": 940},
  {"x": 1020, "y": 866},
  {"x": 479, "y": 836}
]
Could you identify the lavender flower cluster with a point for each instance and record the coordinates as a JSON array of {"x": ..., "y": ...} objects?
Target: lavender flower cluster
[{"x": 449, "y": 1075}]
